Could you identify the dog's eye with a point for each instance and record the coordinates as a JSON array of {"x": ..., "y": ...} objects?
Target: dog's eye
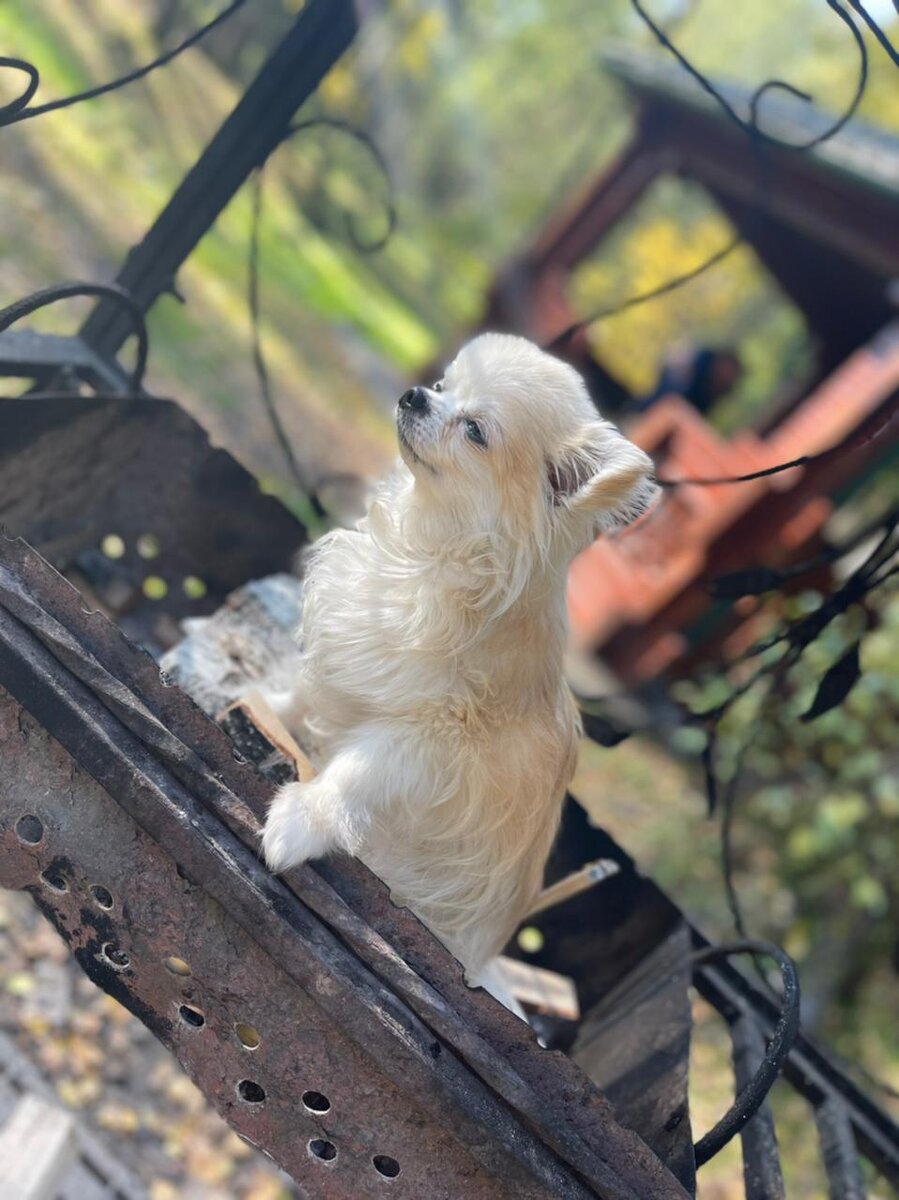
[
  {"x": 475, "y": 433},
  {"x": 438, "y": 386}
]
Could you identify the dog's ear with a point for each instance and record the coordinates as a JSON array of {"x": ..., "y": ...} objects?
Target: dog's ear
[{"x": 604, "y": 475}]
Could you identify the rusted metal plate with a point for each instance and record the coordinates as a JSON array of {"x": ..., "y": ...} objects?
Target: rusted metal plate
[
  {"x": 636, "y": 1044},
  {"x": 255, "y": 1042},
  {"x": 75, "y": 470},
  {"x": 518, "y": 1120},
  {"x": 626, "y": 945}
]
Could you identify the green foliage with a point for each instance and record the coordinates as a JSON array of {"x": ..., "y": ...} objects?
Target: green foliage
[{"x": 817, "y": 807}]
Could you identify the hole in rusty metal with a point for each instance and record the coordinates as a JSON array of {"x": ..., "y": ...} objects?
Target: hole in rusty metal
[
  {"x": 177, "y": 966},
  {"x": 322, "y": 1149},
  {"x": 148, "y": 545},
  {"x": 29, "y": 829},
  {"x": 116, "y": 956},
  {"x": 386, "y": 1166},
  {"x": 250, "y": 1091},
  {"x": 193, "y": 587},
  {"x": 192, "y": 1016},
  {"x": 530, "y": 939},
  {"x": 316, "y": 1102},
  {"x": 113, "y": 546},
  {"x": 102, "y": 895},
  {"x": 55, "y": 879},
  {"x": 155, "y": 587},
  {"x": 247, "y": 1036}
]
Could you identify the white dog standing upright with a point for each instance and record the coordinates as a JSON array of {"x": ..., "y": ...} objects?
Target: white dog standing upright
[{"x": 433, "y": 638}]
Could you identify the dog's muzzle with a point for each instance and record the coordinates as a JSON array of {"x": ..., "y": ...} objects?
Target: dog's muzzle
[{"x": 415, "y": 400}]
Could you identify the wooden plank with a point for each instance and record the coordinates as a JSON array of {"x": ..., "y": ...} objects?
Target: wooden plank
[{"x": 37, "y": 1147}]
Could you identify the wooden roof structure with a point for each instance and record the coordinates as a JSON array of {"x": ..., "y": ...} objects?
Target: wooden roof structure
[{"x": 825, "y": 223}]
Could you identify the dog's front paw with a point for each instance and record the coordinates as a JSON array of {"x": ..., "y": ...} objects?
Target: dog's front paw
[{"x": 293, "y": 830}]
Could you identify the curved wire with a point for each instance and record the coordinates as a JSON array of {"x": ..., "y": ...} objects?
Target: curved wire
[
  {"x": 64, "y": 291},
  {"x": 758, "y": 139},
  {"x": 749, "y": 127},
  {"x": 17, "y": 110},
  {"x": 885, "y": 42},
  {"x": 259, "y": 363},
  {"x": 855, "y": 442},
  {"x": 750, "y": 1099},
  {"x": 670, "y": 285},
  {"x": 369, "y": 144},
  {"x": 7, "y": 111},
  {"x": 254, "y": 288}
]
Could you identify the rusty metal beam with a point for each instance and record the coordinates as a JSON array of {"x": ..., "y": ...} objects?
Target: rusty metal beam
[{"x": 104, "y": 701}]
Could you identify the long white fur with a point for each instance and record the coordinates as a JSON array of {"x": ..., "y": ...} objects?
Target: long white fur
[{"x": 433, "y": 637}]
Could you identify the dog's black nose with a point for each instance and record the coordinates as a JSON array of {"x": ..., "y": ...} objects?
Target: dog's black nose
[{"x": 415, "y": 399}]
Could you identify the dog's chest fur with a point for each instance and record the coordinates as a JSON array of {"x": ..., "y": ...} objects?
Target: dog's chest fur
[{"x": 476, "y": 702}]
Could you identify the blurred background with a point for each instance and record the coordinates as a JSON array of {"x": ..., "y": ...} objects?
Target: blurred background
[{"x": 545, "y": 162}]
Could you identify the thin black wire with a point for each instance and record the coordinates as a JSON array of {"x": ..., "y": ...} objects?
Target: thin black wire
[
  {"x": 758, "y": 139},
  {"x": 374, "y": 150},
  {"x": 253, "y": 289},
  {"x": 855, "y": 442},
  {"x": 752, "y": 1096},
  {"x": 18, "y": 110},
  {"x": 750, "y": 127},
  {"x": 882, "y": 38},
  {"x": 111, "y": 291},
  {"x": 262, "y": 373},
  {"x": 670, "y": 285}
]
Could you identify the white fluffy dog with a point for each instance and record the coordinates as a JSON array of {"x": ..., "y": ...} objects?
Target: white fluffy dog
[{"x": 433, "y": 637}]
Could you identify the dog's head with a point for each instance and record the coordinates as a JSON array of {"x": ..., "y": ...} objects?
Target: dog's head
[{"x": 510, "y": 438}]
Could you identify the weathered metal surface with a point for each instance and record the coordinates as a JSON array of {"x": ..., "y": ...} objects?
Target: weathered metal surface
[
  {"x": 74, "y": 470},
  {"x": 234, "y": 992},
  {"x": 840, "y": 1153},
  {"x": 28, "y": 355},
  {"x": 762, "y": 1176},
  {"x": 536, "y": 1101},
  {"x": 636, "y": 1044},
  {"x": 808, "y": 1067},
  {"x": 253, "y": 633}
]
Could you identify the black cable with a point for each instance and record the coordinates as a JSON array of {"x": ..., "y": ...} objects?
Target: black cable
[
  {"x": 17, "y": 109},
  {"x": 253, "y": 288},
  {"x": 751, "y": 1098},
  {"x": 110, "y": 291},
  {"x": 750, "y": 127},
  {"x": 758, "y": 138},
  {"x": 261, "y": 367},
  {"x": 855, "y": 442},
  {"x": 885, "y": 42}
]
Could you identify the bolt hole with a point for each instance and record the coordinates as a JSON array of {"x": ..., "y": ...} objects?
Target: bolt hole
[
  {"x": 113, "y": 546},
  {"x": 316, "y": 1102},
  {"x": 386, "y": 1166},
  {"x": 116, "y": 956},
  {"x": 247, "y": 1036},
  {"x": 102, "y": 895},
  {"x": 193, "y": 587},
  {"x": 192, "y": 1016},
  {"x": 250, "y": 1091},
  {"x": 176, "y": 966},
  {"x": 531, "y": 940},
  {"x": 55, "y": 879},
  {"x": 30, "y": 829},
  {"x": 155, "y": 587},
  {"x": 147, "y": 545},
  {"x": 322, "y": 1149}
]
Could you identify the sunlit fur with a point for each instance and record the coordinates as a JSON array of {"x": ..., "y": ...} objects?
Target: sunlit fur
[{"x": 433, "y": 637}]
